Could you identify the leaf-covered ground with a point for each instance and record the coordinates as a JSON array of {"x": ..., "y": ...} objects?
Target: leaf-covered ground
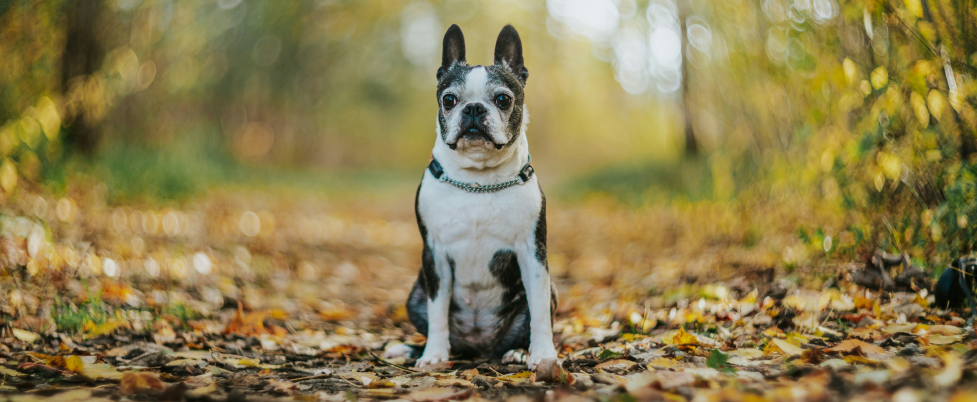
[{"x": 271, "y": 295}]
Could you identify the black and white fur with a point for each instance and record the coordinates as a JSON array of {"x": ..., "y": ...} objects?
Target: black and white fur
[{"x": 484, "y": 287}]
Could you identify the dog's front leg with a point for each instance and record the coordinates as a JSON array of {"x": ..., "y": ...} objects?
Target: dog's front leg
[
  {"x": 536, "y": 279},
  {"x": 438, "y": 349}
]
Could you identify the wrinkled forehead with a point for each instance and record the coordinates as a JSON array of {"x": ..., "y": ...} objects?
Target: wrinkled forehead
[{"x": 477, "y": 81}]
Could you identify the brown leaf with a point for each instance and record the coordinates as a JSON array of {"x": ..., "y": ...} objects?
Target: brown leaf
[
  {"x": 439, "y": 394},
  {"x": 549, "y": 370},
  {"x": 673, "y": 379},
  {"x": 850, "y": 345},
  {"x": 246, "y": 324},
  {"x": 616, "y": 366},
  {"x": 134, "y": 383},
  {"x": 468, "y": 374}
]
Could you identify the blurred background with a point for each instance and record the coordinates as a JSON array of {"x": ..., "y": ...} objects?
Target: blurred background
[{"x": 863, "y": 110}]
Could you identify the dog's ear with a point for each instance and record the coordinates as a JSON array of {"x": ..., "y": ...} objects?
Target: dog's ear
[
  {"x": 508, "y": 52},
  {"x": 454, "y": 49}
]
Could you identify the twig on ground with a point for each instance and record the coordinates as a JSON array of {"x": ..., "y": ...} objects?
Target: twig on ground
[
  {"x": 377, "y": 359},
  {"x": 312, "y": 377}
]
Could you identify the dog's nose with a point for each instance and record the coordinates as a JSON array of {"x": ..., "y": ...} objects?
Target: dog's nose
[{"x": 474, "y": 110}]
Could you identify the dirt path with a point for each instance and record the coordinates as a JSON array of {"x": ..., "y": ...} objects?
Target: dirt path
[{"x": 253, "y": 296}]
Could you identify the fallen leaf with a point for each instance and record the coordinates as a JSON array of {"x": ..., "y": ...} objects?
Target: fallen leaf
[
  {"x": 453, "y": 382},
  {"x": 673, "y": 379},
  {"x": 782, "y": 347},
  {"x": 203, "y": 391},
  {"x": 615, "y": 366},
  {"x": 438, "y": 394},
  {"x": 24, "y": 335},
  {"x": 469, "y": 374},
  {"x": 550, "y": 370},
  {"x": 747, "y": 353},
  {"x": 952, "y": 371},
  {"x": 682, "y": 338},
  {"x": 202, "y": 380},
  {"x": 134, "y": 383},
  {"x": 849, "y": 345},
  {"x": 663, "y": 363},
  {"x": 944, "y": 339},
  {"x": 944, "y": 330}
]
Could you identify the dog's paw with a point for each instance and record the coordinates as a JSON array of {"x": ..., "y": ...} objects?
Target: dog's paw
[
  {"x": 537, "y": 354},
  {"x": 430, "y": 358},
  {"x": 398, "y": 351},
  {"x": 515, "y": 356}
]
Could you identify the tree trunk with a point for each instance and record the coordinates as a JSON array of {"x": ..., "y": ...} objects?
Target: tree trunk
[
  {"x": 82, "y": 57},
  {"x": 691, "y": 144}
]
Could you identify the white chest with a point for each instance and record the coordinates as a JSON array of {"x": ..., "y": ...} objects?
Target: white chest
[{"x": 457, "y": 220}]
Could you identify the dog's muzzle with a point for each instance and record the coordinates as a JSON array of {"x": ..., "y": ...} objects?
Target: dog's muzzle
[{"x": 472, "y": 126}]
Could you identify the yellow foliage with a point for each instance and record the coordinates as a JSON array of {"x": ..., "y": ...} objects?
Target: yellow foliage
[
  {"x": 879, "y": 77},
  {"x": 8, "y": 176},
  {"x": 683, "y": 338}
]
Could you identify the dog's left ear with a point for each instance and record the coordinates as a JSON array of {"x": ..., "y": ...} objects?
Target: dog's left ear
[{"x": 508, "y": 53}]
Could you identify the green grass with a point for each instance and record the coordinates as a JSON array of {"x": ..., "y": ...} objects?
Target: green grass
[
  {"x": 638, "y": 183},
  {"x": 186, "y": 168},
  {"x": 71, "y": 319},
  {"x": 689, "y": 179}
]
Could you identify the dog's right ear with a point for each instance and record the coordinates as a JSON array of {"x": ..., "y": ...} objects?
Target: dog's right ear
[{"x": 454, "y": 49}]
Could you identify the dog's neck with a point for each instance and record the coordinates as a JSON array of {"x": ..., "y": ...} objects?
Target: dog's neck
[{"x": 496, "y": 167}]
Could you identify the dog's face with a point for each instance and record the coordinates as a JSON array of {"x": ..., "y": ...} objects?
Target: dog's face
[{"x": 481, "y": 107}]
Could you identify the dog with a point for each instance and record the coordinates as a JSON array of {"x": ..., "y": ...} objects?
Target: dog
[{"x": 484, "y": 287}]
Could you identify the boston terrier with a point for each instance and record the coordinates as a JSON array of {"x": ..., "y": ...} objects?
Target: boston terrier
[{"x": 484, "y": 287}]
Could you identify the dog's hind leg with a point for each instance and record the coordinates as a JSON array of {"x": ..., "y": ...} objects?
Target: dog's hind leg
[
  {"x": 417, "y": 307},
  {"x": 417, "y": 313}
]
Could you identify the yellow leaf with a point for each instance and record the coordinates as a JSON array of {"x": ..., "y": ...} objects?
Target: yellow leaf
[
  {"x": 851, "y": 70},
  {"x": 880, "y": 77},
  {"x": 101, "y": 372},
  {"x": 74, "y": 363},
  {"x": 683, "y": 338},
  {"x": 919, "y": 108},
  {"x": 944, "y": 339},
  {"x": 782, "y": 347},
  {"x": 26, "y": 336},
  {"x": 952, "y": 371},
  {"x": 855, "y": 359},
  {"x": 921, "y": 301},
  {"x": 47, "y": 116},
  {"x": 937, "y": 104},
  {"x": 8, "y": 176},
  {"x": 662, "y": 363},
  {"x": 915, "y": 7},
  {"x": 890, "y": 164},
  {"x": 865, "y": 87},
  {"x": 93, "y": 330}
]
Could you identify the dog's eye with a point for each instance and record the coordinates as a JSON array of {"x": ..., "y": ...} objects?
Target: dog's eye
[
  {"x": 503, "y": 101},
  {"x": 449, "y": 101}
]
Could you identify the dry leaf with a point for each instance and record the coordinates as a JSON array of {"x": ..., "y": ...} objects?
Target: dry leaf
[
  {"x": 782, "y": 347},
  {"x": 849, "y": 346},
  {"x": 952, "y": 371},
  {"x": 133, "y": 383},
  {"x": 24, "y": 335},
  {"x": 615, "y": 366}
]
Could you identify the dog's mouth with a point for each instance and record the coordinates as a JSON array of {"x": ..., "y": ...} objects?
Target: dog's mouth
[{"x": 475, "y": 136}]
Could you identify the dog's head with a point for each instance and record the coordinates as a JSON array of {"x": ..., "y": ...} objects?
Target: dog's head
[{"x": 481, "y": 107}]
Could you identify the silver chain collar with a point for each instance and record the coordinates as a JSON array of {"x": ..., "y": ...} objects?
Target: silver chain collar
[{"x": 474, "y": 187}]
